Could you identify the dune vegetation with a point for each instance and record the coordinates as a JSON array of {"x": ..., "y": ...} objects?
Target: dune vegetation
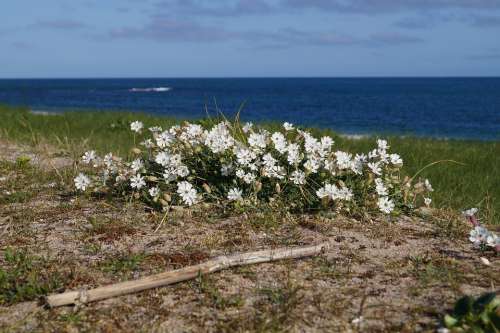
[
  {"x": 464, "y": 173},
  {"x": 396, "y": 261}
]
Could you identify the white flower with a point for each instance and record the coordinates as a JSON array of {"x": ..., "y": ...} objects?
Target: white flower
[
  {"x": 345, "y": 194},
  {"x": 175, "y": 160},
  {"x": 194, "y": 130},
  {"x": 294, "y": 156},
  {"x": 311, "y": 144},
  {"x": 219, "y": 138},
  {"x": 164, "y": 139},
  {"x": 187, "y": 193},
  {"x": 148, "y": 143},
  {"x": 312, "y": 165},
  {"x": 249, "y": 178},
  {"x": 226, "y": 169},
  {"x": 380, "y": 187},
  {"x": 174, "y": 129},
  {"x": 330, "y": 165},
  {"x": 298, "y": 177},
  {"x": 375, "y": 168},
  {"x": 247, "y": 127},
  {"x": 396, "y": 159},
  {"x": 137, "y": 182},
  {"x": 492, "y": 240},
  {"x": 427, "y": 201},
  {"x": 257, "y": 140},
  {"x": 234, "y": 194},
  {"x": 155, "y": 129},
  {"x": 154, "y": 192},
  {"x": 182, "y": 170},
  {"x": 322, "y": 192},
  {"x": 268, "y": 160},
  {"x": 482, "y": 236},
  {"x": 357, "y": 321},
  {"x": 245, "y": 156},
  {"x": 81, "y": 182},
  {"x": 137, "y": 165},
  {"x": 271, "y": 169},
  {"x": 108, "y": 160},
  {"x": 169, "y": 175},
  {"x": 330, "y": 190},
  {"x": 357, "y": 163},
  {"x": 478, "y": 235},
  {"x": 163, "y": 158},
  {"x": 288, "y": 126},
  {"x": 136, "y": 126},
  {"x": 385, "y": 205},
  {"x": 372, "y": 154},
  {"x": 240, "y": 173},
  {"x": 88, "y": 157},
  {"x": 326, "y": 143},
  {"x": 470, "y": 212},
  {"x": 428, "y": 185},
  {"x": 343, "y": 160},
  {"x": 279, "y": 142},
  {"x": 192, "y": 134},
  {"x": 334, "y": 193},
  {"x": 384, "y": 157},
  {"x": 382, "y": 145}
]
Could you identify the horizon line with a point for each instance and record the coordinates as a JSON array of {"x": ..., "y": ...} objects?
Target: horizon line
[{"x": 253, "y": 77}]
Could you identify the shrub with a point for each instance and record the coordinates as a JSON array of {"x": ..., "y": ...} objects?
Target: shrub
[{"x": 224, "y": 162}]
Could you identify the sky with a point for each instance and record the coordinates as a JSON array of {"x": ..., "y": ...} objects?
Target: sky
[{"x": 249, "y": 38}]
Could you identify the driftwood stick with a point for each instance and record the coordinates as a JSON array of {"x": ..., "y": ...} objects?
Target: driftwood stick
[{"x": 183, "y": 274}]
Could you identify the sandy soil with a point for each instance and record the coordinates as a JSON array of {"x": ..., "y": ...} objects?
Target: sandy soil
[{"x": 399, "y": 275}]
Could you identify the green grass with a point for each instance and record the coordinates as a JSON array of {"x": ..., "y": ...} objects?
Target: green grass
[
  {"x": 123, "y": 264},
  {"x": 25, "y": 277},
  {"x": 475, "y": 182}
]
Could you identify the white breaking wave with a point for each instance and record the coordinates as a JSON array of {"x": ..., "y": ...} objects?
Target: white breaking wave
[
  {"x": 153, "y": 89},
  {"x": 43, "y": 112}
]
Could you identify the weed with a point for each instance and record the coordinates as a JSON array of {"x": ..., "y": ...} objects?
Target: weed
[
  {"x": 25, "y": 278},
  {"x": 213, "y": 297},
  {"x": 481, "y": 315},
  {"x": 123, "y": 264}
]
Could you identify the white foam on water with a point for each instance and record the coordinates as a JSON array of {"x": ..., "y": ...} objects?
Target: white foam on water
[
  {"x": 152, "y": 89},
  {"x": 354, "y": 136},
  {"x": 43, "y": 113}
]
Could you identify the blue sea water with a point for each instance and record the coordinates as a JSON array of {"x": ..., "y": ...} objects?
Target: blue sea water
[{"x": 437, "y": 107}]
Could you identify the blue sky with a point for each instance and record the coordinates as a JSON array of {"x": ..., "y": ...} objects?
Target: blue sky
[{"x": 196, "y": 38}]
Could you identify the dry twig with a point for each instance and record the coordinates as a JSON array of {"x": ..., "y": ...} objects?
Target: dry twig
[{"x": 183, "y": 274}]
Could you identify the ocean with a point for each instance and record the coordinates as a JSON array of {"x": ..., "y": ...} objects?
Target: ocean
[{"x": 465, "y": 108}]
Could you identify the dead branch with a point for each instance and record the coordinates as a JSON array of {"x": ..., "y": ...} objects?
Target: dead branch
[{"x": 183, "y": 274}]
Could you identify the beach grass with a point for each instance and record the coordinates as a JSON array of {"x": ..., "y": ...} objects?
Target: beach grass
[{"x": 465, "y": 174}]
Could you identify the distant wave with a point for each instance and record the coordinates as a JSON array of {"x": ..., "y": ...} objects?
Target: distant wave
[
  {"x": 153, "y": 89},
  {"x": 43, "y": 112}
]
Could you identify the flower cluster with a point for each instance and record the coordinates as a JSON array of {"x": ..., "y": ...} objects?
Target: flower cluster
[
  {"x": 479, "y": 235},
  {"x": 226, "y": 162}
]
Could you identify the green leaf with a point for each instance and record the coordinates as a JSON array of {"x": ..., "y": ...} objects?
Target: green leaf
[
  {"x": 495, "y": 303},
  {"x": 481, "y": 303},
  {"x": 463, "y": 306},
  {"x": 477, "y": 329},
  {"x": 495, "y": 320},
  {"x": 485, "y": 318},
  {"x": 450, "y": 321}
]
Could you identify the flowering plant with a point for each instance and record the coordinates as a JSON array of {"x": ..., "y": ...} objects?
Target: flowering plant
[
  {"x": 480, "y": 236},
  {"x": 225, "y": 162}
]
